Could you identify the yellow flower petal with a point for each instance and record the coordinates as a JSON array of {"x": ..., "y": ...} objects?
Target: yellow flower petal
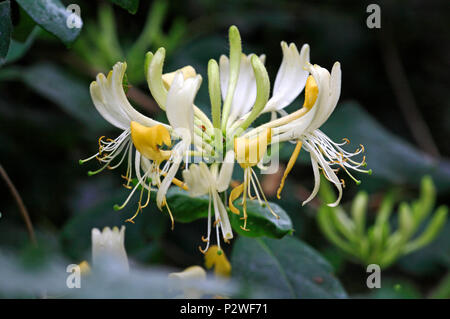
[
  {"x": 84, "y": 268},
  {"x": 249, "y": 151},
  {"x": 311, "y": 92},
  {"x": 148, "y": 141},
  {"x": 235, "y": 194}
]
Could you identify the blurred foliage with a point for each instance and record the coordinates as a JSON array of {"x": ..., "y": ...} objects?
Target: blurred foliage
[
  {"x": 100, "y": 45},
  {"x": 285, "y": 268},
  {"x": 48, "y": 122},
  {"x": 378, "y": 244}
]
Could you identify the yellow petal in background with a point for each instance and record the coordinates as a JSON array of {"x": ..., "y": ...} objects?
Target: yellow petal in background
[
  {"x": 188, "y": 72},
  {"x": 215, "y": 257}
]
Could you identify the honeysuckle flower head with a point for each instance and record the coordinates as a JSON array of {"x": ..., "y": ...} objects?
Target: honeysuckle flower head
[
  {"x": 239, "y": 91},
  {"x": 108, "y": 249}
]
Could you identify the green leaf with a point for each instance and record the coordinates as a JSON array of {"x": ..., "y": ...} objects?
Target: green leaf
[
  {"x": 18, "y": 49},
  {"x": 5, "y": 27},
  {"x": 394, "y": 289},
  {"x": 23, "y": 25},
  {"x": 130, "y": 5},
  {"x": 285, "y": 268},
  {"x": 53, "y": 17},
  {"x": 260, "y": 221}
]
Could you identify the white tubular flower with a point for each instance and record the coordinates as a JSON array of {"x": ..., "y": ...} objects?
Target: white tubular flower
[
  {"x": 289, "y": 83},
  {"x": 188, "y": 282},
  {"x": 108, "y": 249},
  {"x": 321, "y": 96},
  {"x": 202, "y": 180},
  {"x": 111, "y": 102},
  {"x": 180, "y": 113},
  {"x": 245, "y": 93},
  {"x": 291, "y": 77}
]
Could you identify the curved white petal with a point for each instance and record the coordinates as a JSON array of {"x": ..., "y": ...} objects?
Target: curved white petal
[
  {"x": 335, "y": 90},
  {"x": 110, "y": 100},
  {"x": 110, "y": 111},
  {"x": 245, "y": 93},
  {"x": 316, "y": 180},
  {"x": 179, "y": 104},
  {"x": 291, "y": 77},
  {"x": 322, "y": 104},
  {"x": 165, "y": 184}
]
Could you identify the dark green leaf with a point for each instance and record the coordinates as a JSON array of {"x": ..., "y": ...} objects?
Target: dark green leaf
[
  {"x": 394, "y": 289},
  {"x": 130, "y": 5},
  {"x": 285, "y": 268},
  {"x": 5, "y": 27},
  {"x": 23, "y": 26},
  {"x": 53, "y": 17},
  {"x": 260, "y": 221},
  {"x": 18, "y": 49}
]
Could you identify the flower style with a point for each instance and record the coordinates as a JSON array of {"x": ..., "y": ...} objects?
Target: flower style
[
  {"x": 202, "y": 180},
  {"x": 239, "y": 91}
]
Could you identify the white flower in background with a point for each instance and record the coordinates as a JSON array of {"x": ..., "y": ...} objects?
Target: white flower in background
[
  {"x": 188, "y": 281},
  {"x": 202, "y": 180},
  {"x": 108, "y": 249}
]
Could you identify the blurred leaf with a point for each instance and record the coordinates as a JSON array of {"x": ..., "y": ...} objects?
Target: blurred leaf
[
  {"x": 152, "y": 28},
  {"x": 395, "y": 289},
  {"x": 18, "y": 49},
  {"x": 260, "y": 221},
  {"x": 5, "y": 27},
  {"x": 52, "y": 16},
  {"x": 390, "y": 158},
  {"x": 23, "y": 26},
  {"x": 436, "y": 255},
  {"x": 130, "y": 5},
  {"x": 442, "y": 291},
  {"x": 285, "y": 268}
]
